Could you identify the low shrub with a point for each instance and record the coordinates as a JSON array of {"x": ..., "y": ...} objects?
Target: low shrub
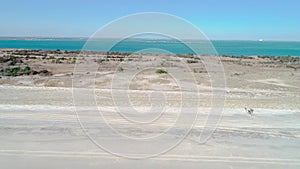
[{"x": 161, "y": 71}]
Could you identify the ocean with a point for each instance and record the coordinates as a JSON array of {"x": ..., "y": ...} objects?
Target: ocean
[{"x": 232, "y": 48}]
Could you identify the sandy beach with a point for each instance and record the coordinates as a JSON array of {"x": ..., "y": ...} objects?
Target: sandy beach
[{"x": 48, "y": 103}]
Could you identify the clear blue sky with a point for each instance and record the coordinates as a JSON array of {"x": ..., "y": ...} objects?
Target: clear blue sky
[{"x": 218, "y": 19}]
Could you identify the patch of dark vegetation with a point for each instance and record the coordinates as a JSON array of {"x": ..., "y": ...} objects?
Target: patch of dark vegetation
[
  {"x": 30, "y": 57},
  {"x": 61, "y": 60},
  {"x": 192, "y": 61},
  {"x": 285, "y": 59},
  {"x": 238, "y": 57},
  {"x": 12, "y": 65},
  {"x": 15, "y": 71},
  {"x": 73, "y": 60},
  {"x": 57, "y": 61},
  {"x": 20, "y": 71},
  {"x": 161, "y": 71},
  {"x": 292, "y": 62},
  {"x": 44, "y": 73},
  {"x": 10, "y": 60},
  {"x": 118, "y": 53},
  {"x": 42, "y": 52}
]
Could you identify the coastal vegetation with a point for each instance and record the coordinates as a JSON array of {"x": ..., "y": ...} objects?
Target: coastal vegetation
[
  {"x": 161, "y": 71},
  {"x": 15, "y": 62}
]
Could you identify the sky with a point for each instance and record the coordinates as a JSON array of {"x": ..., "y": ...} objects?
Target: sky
[{"x": 218, "y": 19}]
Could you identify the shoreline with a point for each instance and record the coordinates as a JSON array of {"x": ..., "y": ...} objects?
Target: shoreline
[{"x": 45, "y": 51}]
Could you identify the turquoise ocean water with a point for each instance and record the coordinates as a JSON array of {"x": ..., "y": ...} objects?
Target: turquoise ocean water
[{"x": 236, "y": 48}]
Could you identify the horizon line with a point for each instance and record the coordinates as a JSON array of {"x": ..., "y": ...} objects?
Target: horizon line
[{"x": 84, "y": 37}]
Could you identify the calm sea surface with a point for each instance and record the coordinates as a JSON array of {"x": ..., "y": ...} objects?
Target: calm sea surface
[{"x": 236, "y": 48}]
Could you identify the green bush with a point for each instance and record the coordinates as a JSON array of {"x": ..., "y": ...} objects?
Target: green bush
[
  {"x": 26, "y": 69},
  {"x": 14, "y": 70},
  {"x": 161, "y": 71},
  {"x": 73, "y": 61}
]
